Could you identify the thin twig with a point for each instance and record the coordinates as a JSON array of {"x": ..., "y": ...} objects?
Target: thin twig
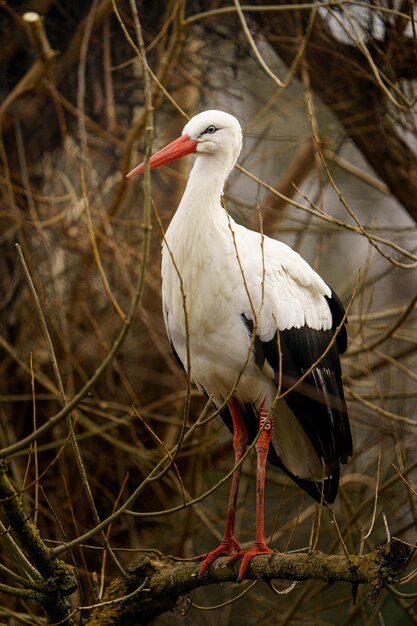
[{"x": 378, "y": 471}]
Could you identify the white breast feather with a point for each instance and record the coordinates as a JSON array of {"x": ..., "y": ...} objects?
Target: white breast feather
[{"x": 222, "y": 278}]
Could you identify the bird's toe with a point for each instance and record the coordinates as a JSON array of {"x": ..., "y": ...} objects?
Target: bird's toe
[
  {"x": 247, "y": 556},
  {"x": 227, "y": 547}
]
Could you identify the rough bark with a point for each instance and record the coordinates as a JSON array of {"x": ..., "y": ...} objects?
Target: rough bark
[
  {"x": 49, "y": 580},
  {"x": 159, "y": 584}
]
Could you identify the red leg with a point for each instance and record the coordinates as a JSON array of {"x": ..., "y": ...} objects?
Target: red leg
[
  {"x": 262, "y": 447},
  {"x": 229, "y": 545}
]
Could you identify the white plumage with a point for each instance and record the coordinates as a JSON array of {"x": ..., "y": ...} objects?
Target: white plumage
[
  {"x": 258, "y": 317},
  {"x": 226, "y": 271}
]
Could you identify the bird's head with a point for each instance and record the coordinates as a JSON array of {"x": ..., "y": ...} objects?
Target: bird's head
[{"x": 213, "y": 133}]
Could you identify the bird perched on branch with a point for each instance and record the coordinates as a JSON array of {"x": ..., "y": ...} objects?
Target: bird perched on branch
[{"x": 256, "y": 328}]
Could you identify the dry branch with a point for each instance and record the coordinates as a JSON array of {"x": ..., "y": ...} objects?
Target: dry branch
[
  {"x": 40, "y": 68},
  {"x": 104, "y": 370},
  {"x": 158, "y": 584},
  {"x": 54, "y": 577},
  {"x": 294, "y": 175},
  {"x": 352, "y": 91}
]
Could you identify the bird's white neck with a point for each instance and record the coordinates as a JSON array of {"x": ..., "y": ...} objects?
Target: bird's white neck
[
  {"x": 201, "y": 199},
  {"x": 199, "y": 230}
]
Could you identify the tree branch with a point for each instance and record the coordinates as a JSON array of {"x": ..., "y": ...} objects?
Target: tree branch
[
  {"x": 349, "y": 87},
  {"x": 56, "y": 577},
  {"x": 158, "y": 583}
]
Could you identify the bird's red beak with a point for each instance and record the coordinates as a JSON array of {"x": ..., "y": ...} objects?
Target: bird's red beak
[{"x": 175, "y": 150}]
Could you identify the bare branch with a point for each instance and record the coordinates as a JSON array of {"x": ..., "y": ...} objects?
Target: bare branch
[{"x": 166, "y": 581}]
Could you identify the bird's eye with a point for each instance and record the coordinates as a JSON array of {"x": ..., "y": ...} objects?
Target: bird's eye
[{"x": 210, "y": 130}]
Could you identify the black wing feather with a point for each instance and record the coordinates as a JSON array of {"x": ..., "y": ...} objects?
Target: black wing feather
[
  {"x": 318, "y": 401},
  {"x": 337, "y": 310}
]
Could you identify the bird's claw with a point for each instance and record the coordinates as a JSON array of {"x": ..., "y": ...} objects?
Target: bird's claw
[
  {"x": 227, "y": 547},
  {"x": 247, "y": 556}
]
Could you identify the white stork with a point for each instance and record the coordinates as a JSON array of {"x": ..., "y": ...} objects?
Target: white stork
[{"x": 258, "y": 319}]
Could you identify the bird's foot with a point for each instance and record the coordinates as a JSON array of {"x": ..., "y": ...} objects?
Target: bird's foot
[
  {"x": 246, "y": 555},
  {"x": 227, "y": 547}
]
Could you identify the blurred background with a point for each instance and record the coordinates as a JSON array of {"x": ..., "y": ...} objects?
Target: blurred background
[{"x": 325, "y": 93}]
